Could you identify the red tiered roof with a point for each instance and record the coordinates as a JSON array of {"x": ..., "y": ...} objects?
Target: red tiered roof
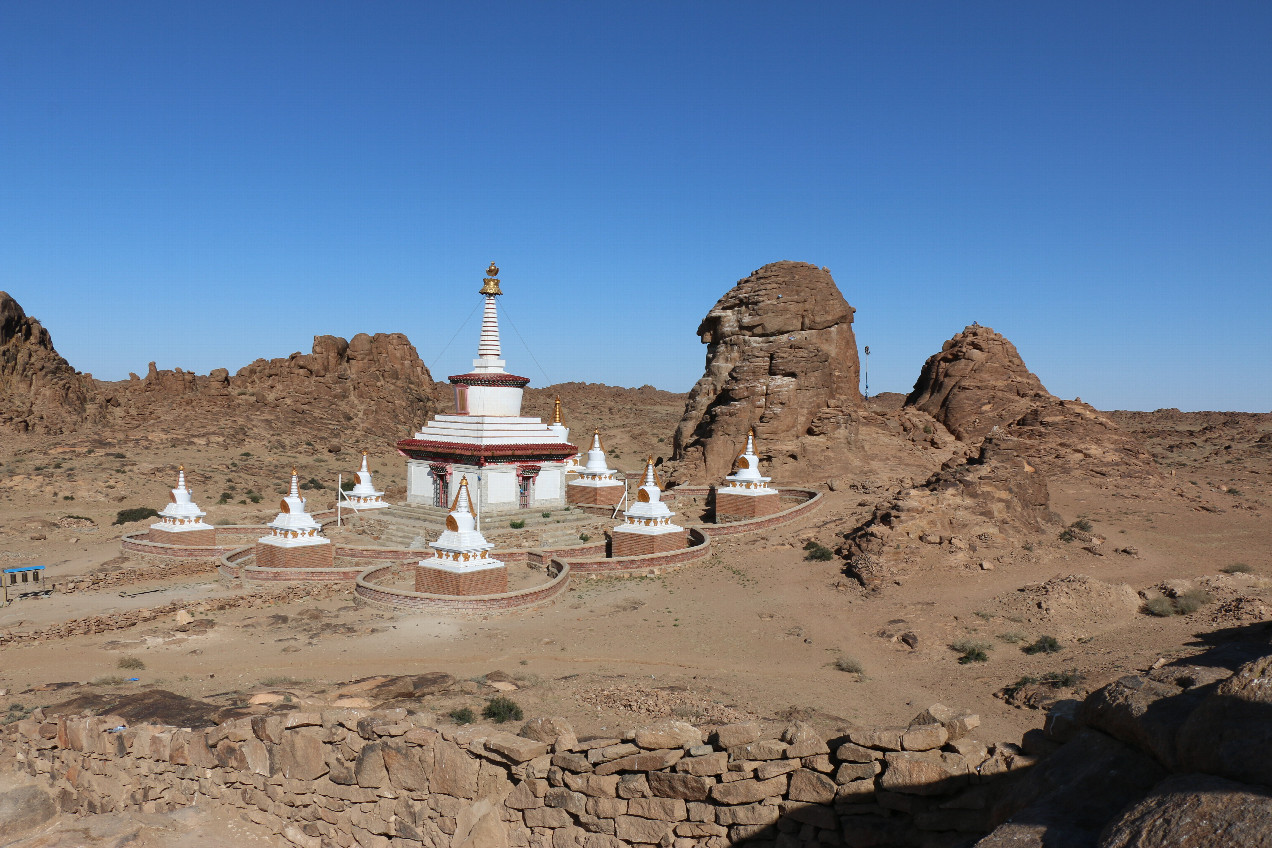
[
  {"x": 472, "y": 453},
  {"x": 492, "y": 379}
]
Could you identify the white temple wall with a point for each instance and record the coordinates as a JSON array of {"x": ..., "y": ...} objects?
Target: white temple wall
[
  {"x": 494, "y": 400},
  {"x": 501, "y": 487},
  {"x": 549, "y": 486},
  {"x": 419, "y": 482}
]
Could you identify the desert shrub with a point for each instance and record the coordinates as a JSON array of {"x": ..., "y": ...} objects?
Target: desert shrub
[
  {"x": 1012, "y": 637},
  {"x": 124, "y": 516},
  {"x": 225, "y": 498},
  {"x": 546, "y": 514},
  {"x": 108, "y": 680},
  {"x": 1160, "y": 606},
  {"x": 1232, "y": 491},
  {"x": 347, "y": 485},
  {"x": 817, "y": 552},
  {"x": 983, "y": 614},
  {"x": 1043, "y": 645},
  {"x": 312, "y": 483},
  {"x": 246, "y": 453},
  {"x": 463, "y": 715},
  {"x": 116, "y": 455},
  {"x": 970, "y": 651},
  {"x": 500, "y": 709},
  {"x": 130, "y": 663},
  {"x": 517, "y": 524},
  {"x": 68, "y": 497},
  {"x": 1067, "y": 535},
  {"x": 850, "y": 665},
  {"x": 583, "y": 537},
  {"x": 254, "y": 497},
  {"x": 1237, "y": 568},
  {"x": 1191, "y": 601},
  {"x": 1084, "y": 524}
]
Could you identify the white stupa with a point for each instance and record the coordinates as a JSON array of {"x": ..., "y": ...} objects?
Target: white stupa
[
  {"x": 463, "y": 564},
  {"x": 294, "y": 527},
  {"x": 182, "y": 515},
  {"x": 745, "y": 493},
  {"x": 597, "y": 483},
  {"x": 647, "y": 527},
  {"x": 363, "y": 494}
]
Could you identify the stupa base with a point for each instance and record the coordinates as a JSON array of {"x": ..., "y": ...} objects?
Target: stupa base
[
  {"x": 738, "y": 507},
  {"x": 440, "y": 581},
  {"x": 626, "y": 543},
  {"x": 202, "y": 538},
  {"x": 578, "y": 495},
  {"x": 300, "y": 556}
]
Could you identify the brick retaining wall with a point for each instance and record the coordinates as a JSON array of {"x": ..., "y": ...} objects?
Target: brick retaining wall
[
  {"x": 637, "y": 566},
  {"x": 352, "y": 777},
  {"x": 389, "y": 597}
]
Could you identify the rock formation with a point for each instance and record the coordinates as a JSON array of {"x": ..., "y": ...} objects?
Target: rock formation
[
  {"x": 978, "y": 382},
  {"x": 39, "y": 391},
  {"x": 782, "y": 357},
  {"x": 969, "y": 510}
]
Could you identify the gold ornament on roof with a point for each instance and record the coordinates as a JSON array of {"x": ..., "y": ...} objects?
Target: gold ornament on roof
[
  {"x": 491, "y": 283},
  {"x": 556, "y": 410}
]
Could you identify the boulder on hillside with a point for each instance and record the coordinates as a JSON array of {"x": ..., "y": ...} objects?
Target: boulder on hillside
[
  {"x": 782, "y": 358},
  {"x": 1194, "y": 810}
]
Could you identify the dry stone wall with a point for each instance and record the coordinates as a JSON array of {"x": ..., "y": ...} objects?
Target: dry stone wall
[{"x": 389, "y": 778}]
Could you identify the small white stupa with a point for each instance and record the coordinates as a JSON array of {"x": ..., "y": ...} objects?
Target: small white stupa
[
  {"x": 295, "y": 539},
  {"x": 647, "y": 527},
  {"x": 596, "y": 484},
  {"x": 181, "y": 521},
  {"x": 463, "y": 564},
  {"x": 363, "y": 495},
  {"x": 745, "y": 494}
]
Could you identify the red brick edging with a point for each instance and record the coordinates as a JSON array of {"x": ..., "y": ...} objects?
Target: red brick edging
[{"x": 401, "y": 599}]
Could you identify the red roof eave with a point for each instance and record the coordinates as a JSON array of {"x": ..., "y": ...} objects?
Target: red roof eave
[{"x": 427, "y": 448}]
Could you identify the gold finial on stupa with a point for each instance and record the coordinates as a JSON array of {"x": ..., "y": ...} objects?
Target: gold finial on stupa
[
  {"x": 491, "y": 283},
  {"x": 556, "y": 410},
  {"x": 181, "y": 468}
]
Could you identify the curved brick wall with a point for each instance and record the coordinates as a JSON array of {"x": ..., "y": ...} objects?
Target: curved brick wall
[
  {"x": 637, "y": 566},
  {"x": 402, "y": 599}
]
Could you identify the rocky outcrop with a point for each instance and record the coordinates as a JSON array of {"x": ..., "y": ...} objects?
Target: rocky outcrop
[
  {"x": 782, "y": 358},
  {"x": 39, "y": 390},
  {"x": 970, "y": 510},
  {"x": 978, "y": 384},
  {"x": 1110, "y": 785}
]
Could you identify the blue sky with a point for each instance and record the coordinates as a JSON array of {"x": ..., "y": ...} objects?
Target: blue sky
[{"x": 203, "y": 184}]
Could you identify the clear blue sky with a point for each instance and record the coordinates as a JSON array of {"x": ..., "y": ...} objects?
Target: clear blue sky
[{"x": 206, "y": 183}]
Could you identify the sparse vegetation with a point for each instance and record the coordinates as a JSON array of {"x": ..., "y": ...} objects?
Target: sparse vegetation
[
  {"x": 225, "y": 498},
  {"x": 130, "y": 663},
  {"x": 1237, "y": 568},
  {"x": 1160, "y": 606},
  {"x": 312, "y": 483},
  {"x": 1084, "y": 524},
  {"x": 583, "y": 537},
  {"x": 279, "y": 681},
  {"x": 1067, "y": 535},
  {"x": 1012, "y": 637},
  {"x": 1232, "y": 491},
  {"x": 462, "y": 715},
  {"x": 545, "y": 514},
  {"x": 347, "y": 485},
  {"x": 971, "y": 651},
  {"x": 125, "y": 516},
  {"x": 1043, "y": 645},
  {"x": 517, "y": 524},
  {"x": 1185, "y": 603},
  {"x": 816, "y": 551},
  {"x": 1055, "y": 679},
  {"x": 500, "y": 709},
  {"x": 850, "y": 665},
  {"x": 983, "y": 614},
  {"x": 109, "y": 680}
]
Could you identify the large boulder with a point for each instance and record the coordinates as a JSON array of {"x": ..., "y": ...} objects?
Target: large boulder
[
  {"x": 782, "y": 358},
  {"x": 1230, "y": 731},
  {"x": 1194, "y": 811}
]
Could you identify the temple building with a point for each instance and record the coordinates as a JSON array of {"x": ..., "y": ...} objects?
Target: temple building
[
  {"x": 745, "y": 494},
  {"x": 181, "y": 521},
  {"x": 463, "y": 565},
  {"x": 596, "y": 484},
  {"x": 516, "y": 462},
  {"x": 647, "y": 527},
  {"x": 295, "y": 539},
  {"x": 363, "y": 494}
]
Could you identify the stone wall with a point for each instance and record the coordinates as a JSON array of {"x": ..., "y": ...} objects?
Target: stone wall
[
  {"x": 629, "y": 543},
  {"x": 635, "y": 566},
  {"x": 389, "y": 778}
]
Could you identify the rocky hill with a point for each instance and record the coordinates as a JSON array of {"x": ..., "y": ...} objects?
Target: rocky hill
[
  {"x": 782, "y": 358},
  {"x": 39, "y": 390},
  {"x": 978, "y": 384}
]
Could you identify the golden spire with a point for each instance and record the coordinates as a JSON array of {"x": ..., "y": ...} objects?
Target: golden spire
[
  {"x": 556, "y": 410},
  {"x": 181, "y": 468},
  {"x": 491, "y": 282}
]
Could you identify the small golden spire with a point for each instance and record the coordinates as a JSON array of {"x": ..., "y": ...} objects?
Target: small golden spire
[
  {"x": 556, "y": 410},
  {"x": 181, "y": 468},
  {"x": 293, "y": 471},
  {"x": 491, "y": 283},
  {"x": 364, "y": 453}
]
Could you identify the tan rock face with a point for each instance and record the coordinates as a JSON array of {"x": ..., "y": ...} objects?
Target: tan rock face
[
  {"x": 781, "y": 357},
  {"x": 39, "y": 390}
]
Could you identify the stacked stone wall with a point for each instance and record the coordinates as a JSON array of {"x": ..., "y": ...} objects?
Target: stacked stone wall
[{"x": 388, "y": 778}]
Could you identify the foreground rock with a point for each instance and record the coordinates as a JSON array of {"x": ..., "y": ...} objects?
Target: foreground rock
[
  {"x": 782, "y": 357},
  {"x": 39, "y": 390}
]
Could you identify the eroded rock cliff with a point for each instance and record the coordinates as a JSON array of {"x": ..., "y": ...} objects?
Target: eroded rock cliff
[
  {"x": 39, "y": 390},
  {"x": 782, "y": 358}
]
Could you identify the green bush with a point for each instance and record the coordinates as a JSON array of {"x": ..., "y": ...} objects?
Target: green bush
[
  {"x": 1161, "y": 606},
  {"x": 225, "y": 498},
  {"x": 583, "y": 537},
  {"x": 130, "y": 663},
  {"x": 1044, "y": 645},
  {"x": 817, "y": 552},
  {"x": 254, "y": 497},
  {"x": 517, "y": 524},
  {"x": 463, "y": 715},
  {"x": 347, "y": 485},
  {"x": 125, "y": 516},
  {"x": 1067, "y": 535},
  {"x": 545, "y": 514},
  {"x": 312, "y": 483},
  {"x": 1084, "y": 524},
  {"x": 970, "y": 651},
  {"x": 1191, "y": 601},
  {"x": 501, "y": 709},
  {"x": 68, "y": 497}
]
